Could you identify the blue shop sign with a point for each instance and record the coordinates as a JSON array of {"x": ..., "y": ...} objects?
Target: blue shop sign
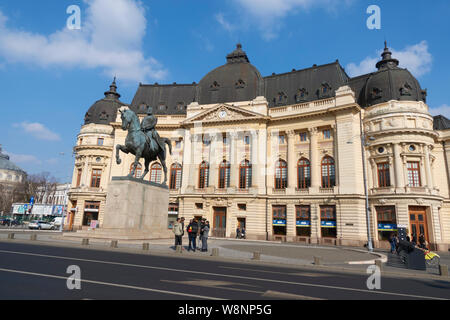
[
  {"x": 328, "y": 224},
  {"x": 303, "y": 223},
  {"x": 387, "y": 227},
  {"x": 280, "y": 223}
]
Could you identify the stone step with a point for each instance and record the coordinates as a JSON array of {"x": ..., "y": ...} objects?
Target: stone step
[{"x": 395, "y": 261}]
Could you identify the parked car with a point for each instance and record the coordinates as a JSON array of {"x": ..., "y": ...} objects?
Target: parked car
[
  {"x": 57, "y": 222},
  {"x": 5, "y": 222},
  {"x": 40, "y": 225}
]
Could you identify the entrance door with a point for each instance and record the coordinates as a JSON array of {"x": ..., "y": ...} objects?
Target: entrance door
[
  {"x": 220, "y": 222},
  {"x": 418, "y": 222}
]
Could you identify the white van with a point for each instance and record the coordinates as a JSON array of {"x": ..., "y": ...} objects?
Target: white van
[{"x": 57, "y": 222}]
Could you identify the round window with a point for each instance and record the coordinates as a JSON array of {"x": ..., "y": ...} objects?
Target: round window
[
  {"x": 380, "y": 150},
  {"x": 412, "y": 148}
]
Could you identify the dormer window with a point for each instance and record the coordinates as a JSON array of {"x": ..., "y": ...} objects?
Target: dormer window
[
  {"x": 281, "y": 99},
  {"x": 301, "y": 95},
  {"x": 325, "y": 90},
  {"x": 215, "y": 86},
  {"x": 240, "y": 84},
  {"x": 180, "y": 106},
  {"x": 162, "y": 107}
]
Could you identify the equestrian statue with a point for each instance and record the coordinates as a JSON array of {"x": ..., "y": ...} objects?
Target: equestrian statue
[{"x": 143, "y": 141}]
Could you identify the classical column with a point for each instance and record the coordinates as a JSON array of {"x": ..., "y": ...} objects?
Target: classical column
[
  {"x": 315, "y": 161},
  {"x": 262, "y": 160},
  {"x": 292, "y": 163},
  {"x": 234, "y": 167},
  {"x": 399, "y": 180},
  {"x": 291, "y": 231},
  {"x": 254, "y": 160},
  {"x": 187, "y": 160},
  {"x": 430, "y": 183},
  {"x": 196, "y": 160},
  {"x": 213, "y": 161}
]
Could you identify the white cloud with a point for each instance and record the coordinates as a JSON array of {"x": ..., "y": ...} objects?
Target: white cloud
[
  {"x": 37, "y": 130},
  {"x": 220, "y": 18},
  {"x": 442, "y": 110},
  {"x": 268, "y": 13},
  {"x": 415, "y": 58},
  {"x": 110, "y": 39},
  {"x": 24, "y": 159}
]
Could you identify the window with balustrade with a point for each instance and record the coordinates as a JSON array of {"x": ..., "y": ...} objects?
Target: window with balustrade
[
  {"x": 245, "y": 175},
  {"x": 384, "y": 177},
  {"x": 281, "y": 175},
  {"x": 156, "y": 173},
  {"x": 304, "y": 174},
  {"x": 328, "y": 172},
  {"x": 413, "y": 174},
  {"x": 203, "y": 177},
  {"x": 224, "y": 175},
  {"x": 175, "y": 176}
]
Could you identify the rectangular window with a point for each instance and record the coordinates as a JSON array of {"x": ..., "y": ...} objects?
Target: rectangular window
[
  {"x": 279, "y": 220},
  {"x": 303, "y": 220},
  {"x": 80, "y": 172},
  {"x": 328, "y": 221},
  {"x": 247, "y": 140},
  {"x": 384, "y": 178},
  {"x": 100, "y": 141},
  {"x": 96, "y": 178},
  {"x": 413, "y": 174},
  {"x": 387, "y": 222},
  {"x": 178, "y": 144},
  {"x": 281, "y": 139},
  {"x": 303, "y": 137}
]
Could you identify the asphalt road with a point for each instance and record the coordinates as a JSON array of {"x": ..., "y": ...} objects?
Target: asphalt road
[{"x": 40, "y": 272}]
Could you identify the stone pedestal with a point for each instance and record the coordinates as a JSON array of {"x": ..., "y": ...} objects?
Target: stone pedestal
[{"x": 135, "y": 210}]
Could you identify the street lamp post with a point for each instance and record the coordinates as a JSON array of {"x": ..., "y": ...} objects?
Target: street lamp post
[{"x": 366, "y": 189}]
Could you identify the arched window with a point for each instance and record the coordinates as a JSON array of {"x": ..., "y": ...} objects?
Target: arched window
[
  {"x": 224, "y": 175},
  {"x": 138, "y": 172},
  {"x": 155, "y": 173},
  {"x": 281, "y": 175},
  {"x": 328, "y": 173},
  {"x": 245, "y": 175},
  {"x": 175, "y": 176},
  {"x": 304, "y": 174},
  {"x": 203, "y": 176}
]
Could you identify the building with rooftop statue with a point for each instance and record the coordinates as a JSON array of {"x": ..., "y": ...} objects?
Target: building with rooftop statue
[{"x": 284, "y": 155}]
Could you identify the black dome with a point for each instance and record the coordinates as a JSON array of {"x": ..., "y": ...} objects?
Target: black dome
[
  {"x": 104, "y": 111},
  {"x": 238, "y": 80},
  {"x": 391, "y": 83}
]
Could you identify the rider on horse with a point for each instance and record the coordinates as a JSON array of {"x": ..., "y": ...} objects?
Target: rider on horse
[{"x": 148, "y": 126}]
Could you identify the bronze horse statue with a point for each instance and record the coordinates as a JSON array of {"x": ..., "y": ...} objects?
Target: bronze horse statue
[{"x": 137, "y": 144}]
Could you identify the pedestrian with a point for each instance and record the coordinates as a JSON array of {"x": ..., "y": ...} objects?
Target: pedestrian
[
  {"x": 193, "y": 228},
  {"x": 182, "y": 226},
  {"x": 202, "y": 225},
  {"x": 189, "y": 231},
  {"x": 393, "y": 242},
  {"x": 205, "y": 237},
  {"x": 243, "y": 233},
  {"x": 414, "y": 239},
  {"x": 422, "y": 242},
  {"x": 178, "y": 231},
  {"x": 238, "y": 232}
]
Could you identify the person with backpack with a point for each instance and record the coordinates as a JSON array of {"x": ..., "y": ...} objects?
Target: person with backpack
[
  {"x": 205, "y": 235},
  {"x": 192, "y": 230},
  {"x": 178, "y": 231}
]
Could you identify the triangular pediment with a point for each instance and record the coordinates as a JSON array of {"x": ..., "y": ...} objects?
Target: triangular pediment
[{"x": 225, "y": 113}]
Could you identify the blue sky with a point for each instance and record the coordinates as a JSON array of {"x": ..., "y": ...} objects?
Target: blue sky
[{"x": 50, "y": 75}]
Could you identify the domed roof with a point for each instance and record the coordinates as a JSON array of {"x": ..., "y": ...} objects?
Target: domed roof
[
  {"x": 238, "y": 80},
  {"x": 104, "y": 111},
  {"x": 6, "y": 164},
  {"x": 391, "y": 83}
]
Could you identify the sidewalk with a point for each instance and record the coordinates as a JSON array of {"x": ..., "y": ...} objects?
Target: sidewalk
[{"x": 287, "y": 255}]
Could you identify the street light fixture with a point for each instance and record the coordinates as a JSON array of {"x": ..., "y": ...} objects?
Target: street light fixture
[{"x": 364, "y": 143}]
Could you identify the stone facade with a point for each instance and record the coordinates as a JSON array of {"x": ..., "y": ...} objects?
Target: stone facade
[{"x": 292, "y": 173}]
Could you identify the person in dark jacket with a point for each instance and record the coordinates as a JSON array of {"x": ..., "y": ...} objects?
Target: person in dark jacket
[
  {"x": 193, "y": 231},
  {"x": 393, "y": 241},
  {"x": 205, "y": 236},
  {"x": 188, "y": 230}
]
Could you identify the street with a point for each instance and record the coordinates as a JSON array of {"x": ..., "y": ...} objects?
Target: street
[{"x": 40, "y": 272}]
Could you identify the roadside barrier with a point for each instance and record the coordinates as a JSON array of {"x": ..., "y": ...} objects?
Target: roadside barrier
[
  {"x": 443, "y": 270},
  {"x": 85, "y": 242},
  {"x": 11, "y": 236},
  {"x": 114, "y": 244},
  {"x": 256, "y": 255},
  {"x": 215, "y": 252},
  {"x": 146, "y": 246},
  {"x": 33, "y": 237},
  {"x": 317, "y": 261}
]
